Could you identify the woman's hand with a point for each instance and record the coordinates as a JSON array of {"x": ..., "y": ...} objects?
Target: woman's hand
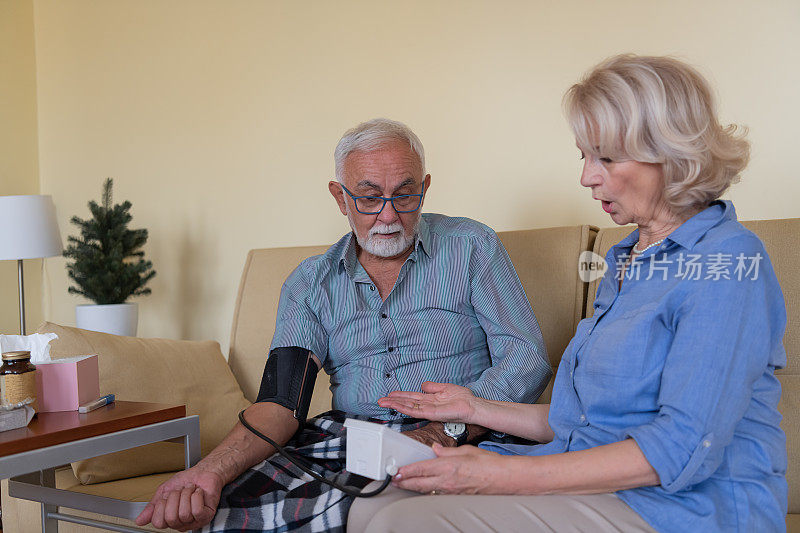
[
  {"x": 462, "y": 470},
  {"x": 443, "y": 402}
]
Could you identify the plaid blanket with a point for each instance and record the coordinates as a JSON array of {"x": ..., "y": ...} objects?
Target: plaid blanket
[{"x": 276, "y": 496}]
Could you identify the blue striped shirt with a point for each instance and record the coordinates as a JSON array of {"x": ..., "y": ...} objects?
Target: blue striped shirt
[
  {"x": 682, "y": 359},
  {"x": 457, "y": 314}
]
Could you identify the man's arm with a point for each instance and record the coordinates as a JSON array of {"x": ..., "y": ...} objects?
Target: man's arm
[
  {"x": 519, "y": 370},
  {"x": 242, "y": 449},
  {"x": 189, "y": 499}
]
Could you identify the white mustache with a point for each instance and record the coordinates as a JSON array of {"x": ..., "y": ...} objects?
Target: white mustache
[{"x": 385, "y": 229}]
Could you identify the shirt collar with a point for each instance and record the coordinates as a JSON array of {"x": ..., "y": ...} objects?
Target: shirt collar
[
  {"x": 348, "y": 258},
  {"x": 423, "y": 238},
  {"x": 691, "y": 231}
]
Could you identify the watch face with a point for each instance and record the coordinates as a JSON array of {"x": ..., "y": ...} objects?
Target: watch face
[{"x": 454, "y": 429}]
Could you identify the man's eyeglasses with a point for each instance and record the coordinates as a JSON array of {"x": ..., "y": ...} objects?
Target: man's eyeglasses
[{"x": 372, "y": 205}]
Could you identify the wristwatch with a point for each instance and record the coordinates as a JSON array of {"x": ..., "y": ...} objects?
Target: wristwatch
[{"x": 457, "y": 431}]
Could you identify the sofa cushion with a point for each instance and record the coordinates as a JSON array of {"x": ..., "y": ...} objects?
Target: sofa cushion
[
  {"x": 24, "y": 516},
  {"x": 188, "y": 373},
  {"x": 135, "y": 489}
]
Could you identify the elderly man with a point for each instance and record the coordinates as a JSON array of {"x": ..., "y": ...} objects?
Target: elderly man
[{"x": 404, "y": 298}]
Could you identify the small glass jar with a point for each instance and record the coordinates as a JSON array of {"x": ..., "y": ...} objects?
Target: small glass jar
[{"x": 17, "y": 378}]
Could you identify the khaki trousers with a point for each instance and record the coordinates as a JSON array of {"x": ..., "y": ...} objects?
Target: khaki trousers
[{"x": 397, "y": 510}]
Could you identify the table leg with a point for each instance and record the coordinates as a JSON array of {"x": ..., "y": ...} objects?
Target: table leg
[
  {"x": 191, "y": 444},
  {"x": 48, "y": 479}
]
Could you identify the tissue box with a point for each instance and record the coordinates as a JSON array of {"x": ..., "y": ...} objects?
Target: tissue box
[{"x": 66, "y": 384}]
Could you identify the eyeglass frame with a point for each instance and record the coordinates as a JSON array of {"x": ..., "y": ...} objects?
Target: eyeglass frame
[{"x": 385, "y": 199}]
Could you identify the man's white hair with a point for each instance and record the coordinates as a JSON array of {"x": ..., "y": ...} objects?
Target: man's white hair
[{"x": 371, "y": 135}]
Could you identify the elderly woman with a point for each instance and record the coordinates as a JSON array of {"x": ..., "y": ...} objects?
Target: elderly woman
[{"x": 664, "y": 411}]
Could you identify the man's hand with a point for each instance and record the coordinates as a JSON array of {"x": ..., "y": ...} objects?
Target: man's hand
[{"x": 188, "y": 500}]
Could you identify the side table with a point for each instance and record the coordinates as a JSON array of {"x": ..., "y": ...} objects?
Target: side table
[{"x": 28, "y": 456}]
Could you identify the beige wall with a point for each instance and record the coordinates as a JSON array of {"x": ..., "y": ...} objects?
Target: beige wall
[
  {"x": 19, "y": 166},
  {"x": 218, "y": 119}
]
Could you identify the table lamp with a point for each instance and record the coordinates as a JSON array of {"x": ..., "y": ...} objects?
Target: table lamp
[{"x": 28, "y": 230}]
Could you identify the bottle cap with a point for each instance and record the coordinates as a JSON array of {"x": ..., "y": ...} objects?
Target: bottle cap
[{"x": 16, "y": 356}]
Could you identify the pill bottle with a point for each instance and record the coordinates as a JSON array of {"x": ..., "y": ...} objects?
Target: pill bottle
[{"x": 17, "y": 378}]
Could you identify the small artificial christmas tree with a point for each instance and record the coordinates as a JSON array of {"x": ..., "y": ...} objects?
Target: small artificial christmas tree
[{"x": 109, "y": 265}]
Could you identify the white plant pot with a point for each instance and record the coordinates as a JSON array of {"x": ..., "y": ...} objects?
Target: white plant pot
[{"x": 117, "y": 319}]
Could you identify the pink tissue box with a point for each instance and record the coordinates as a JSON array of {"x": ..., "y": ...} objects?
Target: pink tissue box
[{"x": 66, "y": 384}]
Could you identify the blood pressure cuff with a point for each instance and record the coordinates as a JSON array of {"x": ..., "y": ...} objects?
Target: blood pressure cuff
[{"x": 288, "y": 380}]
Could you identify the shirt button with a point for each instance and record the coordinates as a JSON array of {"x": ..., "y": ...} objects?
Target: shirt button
[
  {"x": 383, "y": 315},
  {"x": 582, "y": 418},
  {"x": 372, "y": 287},
  {"x": 392, "y": 412},
  {"x": 706, "y": 443},
  {"x": 391, "y": 349},
  {"x": 388, "y": 375}
]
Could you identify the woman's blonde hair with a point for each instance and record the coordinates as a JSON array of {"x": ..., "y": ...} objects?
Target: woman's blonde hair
[{"x": 659, "y": 110}]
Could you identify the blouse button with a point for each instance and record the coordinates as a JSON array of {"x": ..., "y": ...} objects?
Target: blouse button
[{"x": 706, "y": 443}]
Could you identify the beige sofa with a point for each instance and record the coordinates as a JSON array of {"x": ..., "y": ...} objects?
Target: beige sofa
[{"x": 547, "y": 263}]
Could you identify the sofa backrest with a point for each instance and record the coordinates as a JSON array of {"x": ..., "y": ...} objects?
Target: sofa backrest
[
  {"x": 781, "y": 239},
  {"x": 255, "y": 313},
  {"x": 546, "y": 261}
]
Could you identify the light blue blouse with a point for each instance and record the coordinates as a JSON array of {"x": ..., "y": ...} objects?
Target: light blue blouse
[{"x": 682, "y": 360}]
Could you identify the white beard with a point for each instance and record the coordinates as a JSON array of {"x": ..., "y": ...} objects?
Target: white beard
[{"x": 380, "y": 246}]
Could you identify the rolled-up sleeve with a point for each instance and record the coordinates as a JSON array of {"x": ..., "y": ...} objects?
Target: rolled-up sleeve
[
  {"x": 520, "y": 369},
  {"x": 727, "y": 334},
  {"x": 297, "y": 324}
]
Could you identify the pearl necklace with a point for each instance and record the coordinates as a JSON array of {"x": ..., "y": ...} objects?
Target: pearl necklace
[{"x": 638, "y": 251}]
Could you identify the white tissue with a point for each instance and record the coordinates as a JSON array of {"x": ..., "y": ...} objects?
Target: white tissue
[{"x": 38, "y": 344}]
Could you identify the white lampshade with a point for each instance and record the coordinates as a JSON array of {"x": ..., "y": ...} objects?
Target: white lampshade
[{"x": 28, "y": 227}]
